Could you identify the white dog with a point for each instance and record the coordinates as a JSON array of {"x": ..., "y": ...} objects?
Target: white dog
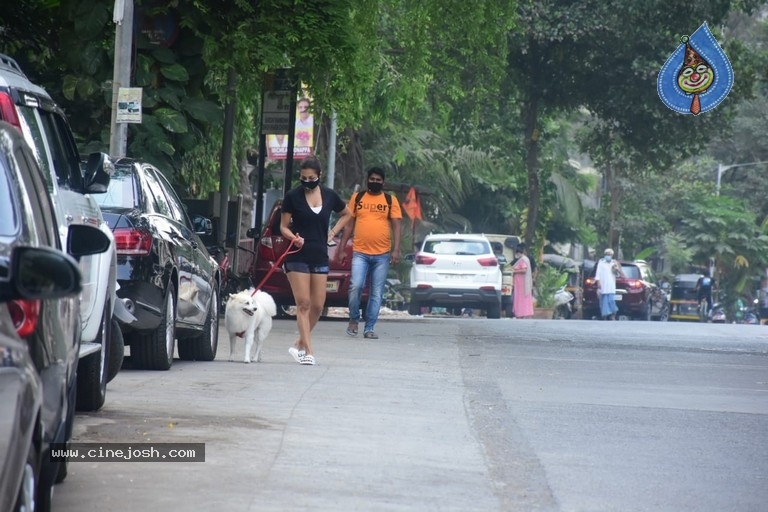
[{"x": 249, "y": 315}]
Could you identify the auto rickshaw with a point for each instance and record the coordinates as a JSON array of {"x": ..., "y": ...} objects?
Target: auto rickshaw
[{"x": 683, "y": 303}]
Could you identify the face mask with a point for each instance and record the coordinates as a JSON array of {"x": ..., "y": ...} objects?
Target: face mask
[
  {"x": 375, "y": 186},
  {"x": 608, "y": 257},
  {"x": 309, "y": 185}
]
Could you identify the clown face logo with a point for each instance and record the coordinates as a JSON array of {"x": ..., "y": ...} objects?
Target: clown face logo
[{"x": 697, "y": 76}]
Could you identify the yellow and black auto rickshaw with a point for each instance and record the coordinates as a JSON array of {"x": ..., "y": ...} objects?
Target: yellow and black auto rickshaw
[{"x": 683, "y": 303}]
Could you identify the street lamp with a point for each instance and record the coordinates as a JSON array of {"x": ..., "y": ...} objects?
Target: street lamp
[{"x": 722, "y": 168}]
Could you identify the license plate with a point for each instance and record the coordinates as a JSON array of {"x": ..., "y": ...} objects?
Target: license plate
[
  {"x": 456, "y": 277},
  {"x": 617, "y": 297},
  {"x": 332, "y": 286}
]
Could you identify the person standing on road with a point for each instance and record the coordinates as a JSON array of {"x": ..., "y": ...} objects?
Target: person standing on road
[
  {"x": 305, "y": 218},
  {"x": 522, "y": 284},
  {"x": 605, "y": 276},
  {"x": 374, "y": 245}
]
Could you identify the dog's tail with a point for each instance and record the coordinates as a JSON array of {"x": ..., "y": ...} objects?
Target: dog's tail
[{"x": 266, "y": 301}]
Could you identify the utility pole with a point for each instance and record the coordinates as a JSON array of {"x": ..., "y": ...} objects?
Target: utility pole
[
  {"x": 722, "y": 168},
  {"x": 121, "y": 77},
  {"x": 226, "y": 156}
]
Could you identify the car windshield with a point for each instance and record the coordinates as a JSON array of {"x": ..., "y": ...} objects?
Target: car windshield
[
  {"x": 457, "y": 247},
  {"x": 121, "y": 192}
]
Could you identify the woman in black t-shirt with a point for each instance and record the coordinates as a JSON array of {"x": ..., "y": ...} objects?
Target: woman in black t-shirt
[{"x": 305, "y": 219}]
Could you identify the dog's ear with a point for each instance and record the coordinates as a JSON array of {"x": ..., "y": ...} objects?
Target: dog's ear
[{"x": 231, "y": 295}]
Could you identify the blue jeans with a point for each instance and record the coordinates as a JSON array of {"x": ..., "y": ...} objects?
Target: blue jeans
[{"x": 362, "y": 265}]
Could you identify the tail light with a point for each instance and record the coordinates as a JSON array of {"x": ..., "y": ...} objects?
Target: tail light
[
  {"x": 8, "y": 110},
  {"x": 24, "y": 314},
  {"x": 489, "y": 261},
  {"x": 423, "y": 259},
  {"x": 634, "y": 284},
  {"x": 132, "y": 241},
  {"x": 588, "y": 282},
  {"x": 266, "y": 241}
]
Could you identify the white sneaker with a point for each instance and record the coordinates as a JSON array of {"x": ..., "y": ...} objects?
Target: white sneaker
[
  {"x": 296, "y": 354},
  {"x": 307, "y": 359}
]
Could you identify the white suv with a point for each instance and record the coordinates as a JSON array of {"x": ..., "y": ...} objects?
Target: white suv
[
  {"x": 29, "y": 108},
  {"x": 458, "y": 270}
]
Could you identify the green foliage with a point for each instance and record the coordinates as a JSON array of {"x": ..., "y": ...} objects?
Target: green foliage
[{"x": 549, "y": 279}]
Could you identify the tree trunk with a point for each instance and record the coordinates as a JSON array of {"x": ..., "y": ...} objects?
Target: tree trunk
[
  {"x": 615, "y": 194},
  {"x": 530, "y": 124}
]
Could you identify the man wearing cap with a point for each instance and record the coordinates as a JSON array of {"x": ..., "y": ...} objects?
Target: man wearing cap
[{"x": 605, "y": 276}]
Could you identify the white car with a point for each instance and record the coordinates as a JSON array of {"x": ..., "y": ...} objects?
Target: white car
[
  {"x": 456, "y": 271},
  {"x": 29, "y": 108}
]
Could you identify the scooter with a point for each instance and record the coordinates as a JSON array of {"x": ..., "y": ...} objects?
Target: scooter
[
  {"x": 563, "y": 300},
  {"x": 717, "y": 314}
]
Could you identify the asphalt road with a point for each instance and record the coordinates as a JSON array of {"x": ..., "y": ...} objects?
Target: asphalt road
[{"x": 448, "y": 414}]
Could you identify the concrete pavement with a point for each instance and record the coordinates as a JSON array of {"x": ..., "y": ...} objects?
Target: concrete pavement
[{"x": 375, "y": 425}]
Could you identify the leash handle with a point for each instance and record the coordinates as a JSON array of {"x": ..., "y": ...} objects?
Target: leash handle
[{"x": 276, "y": 264}]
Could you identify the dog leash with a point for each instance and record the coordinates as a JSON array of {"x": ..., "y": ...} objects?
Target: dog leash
[{"x": 277, "y": 264}]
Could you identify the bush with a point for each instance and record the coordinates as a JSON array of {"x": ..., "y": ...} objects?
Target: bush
[{"x": 548, "y": 281}]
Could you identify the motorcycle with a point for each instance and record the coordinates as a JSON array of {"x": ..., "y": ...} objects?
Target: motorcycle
[
  {"x": 562, "y": 304},
  {"x": 747, "y": 314}
]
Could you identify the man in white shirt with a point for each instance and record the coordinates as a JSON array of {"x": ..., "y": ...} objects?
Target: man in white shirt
[{"x": 605, "y": 276}]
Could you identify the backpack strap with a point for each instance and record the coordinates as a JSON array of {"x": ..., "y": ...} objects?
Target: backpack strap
[{"x": 359, "y": 197}]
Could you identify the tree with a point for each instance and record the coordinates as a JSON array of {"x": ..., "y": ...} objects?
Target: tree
[{"x": 604, "y": 56}]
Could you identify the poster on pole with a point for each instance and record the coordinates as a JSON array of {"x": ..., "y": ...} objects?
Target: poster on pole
[
  {"x": 303, "y": 142},
  {"x": 129, "y": 105}
]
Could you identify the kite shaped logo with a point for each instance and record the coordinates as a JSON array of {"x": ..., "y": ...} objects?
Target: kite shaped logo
[{"x": 697, "y": 76}]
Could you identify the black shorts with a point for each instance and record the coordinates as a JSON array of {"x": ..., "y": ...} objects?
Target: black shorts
[{"x": 305, "y": 268}]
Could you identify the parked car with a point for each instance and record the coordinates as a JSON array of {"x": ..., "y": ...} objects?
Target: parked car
[
  {"x": 40, "y": 327},
  {"x": 44, "y": 127},
  {"x": 638, "y": 294},
  {"x": 456, "y": 271},
  {"x": 271, "y": 245},
  {"x": 165, "y": 273}
]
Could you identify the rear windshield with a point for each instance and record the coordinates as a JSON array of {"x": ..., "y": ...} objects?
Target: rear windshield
[
  {"x": 121, "y": 192},
  {"x": 631, "y": 272},
  {"x": 457, "y": 247}
]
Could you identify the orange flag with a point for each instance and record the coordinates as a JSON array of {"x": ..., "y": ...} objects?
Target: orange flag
[{"x": 412, "y": 205}]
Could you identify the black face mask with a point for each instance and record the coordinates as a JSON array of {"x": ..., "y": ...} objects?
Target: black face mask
[
  {"x": 375, "y": 186},
  {"x": 309, "y": 185}
]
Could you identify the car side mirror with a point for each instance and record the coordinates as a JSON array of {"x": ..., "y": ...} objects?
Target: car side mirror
[
  {"x": 253, "y": 233},
  {"x": 408, "y": 258},
  {"x": 41, "y": 273},
  {"x": 202, "y": 225},
  {"x": 98, "y": 170},
  {"x": 502, "y": 260},
  {"x": 83, "y": 240}
]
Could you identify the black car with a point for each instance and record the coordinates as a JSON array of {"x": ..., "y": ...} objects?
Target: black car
[
  {"x": 163, "y": 269},
  {"x": 40, "y": 327}
]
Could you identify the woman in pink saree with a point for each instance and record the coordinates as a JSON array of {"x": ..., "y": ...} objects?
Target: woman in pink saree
[{"x": 522, "y": 285}]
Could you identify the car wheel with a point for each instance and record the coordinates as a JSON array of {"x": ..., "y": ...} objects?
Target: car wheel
[
  {"x": 25, "y": 501},
  {"x": 205, "y": 346},
  {"x": 93, "y": 369},
  {"x": 116, "y": 351},
  {"x": 414, "y": 308},
  {"x": 286, "y": 311},
  {"x": 645, "y": 314},
  {"x": 494, "y": 310},
  {"x": 155, "y": 351}
]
